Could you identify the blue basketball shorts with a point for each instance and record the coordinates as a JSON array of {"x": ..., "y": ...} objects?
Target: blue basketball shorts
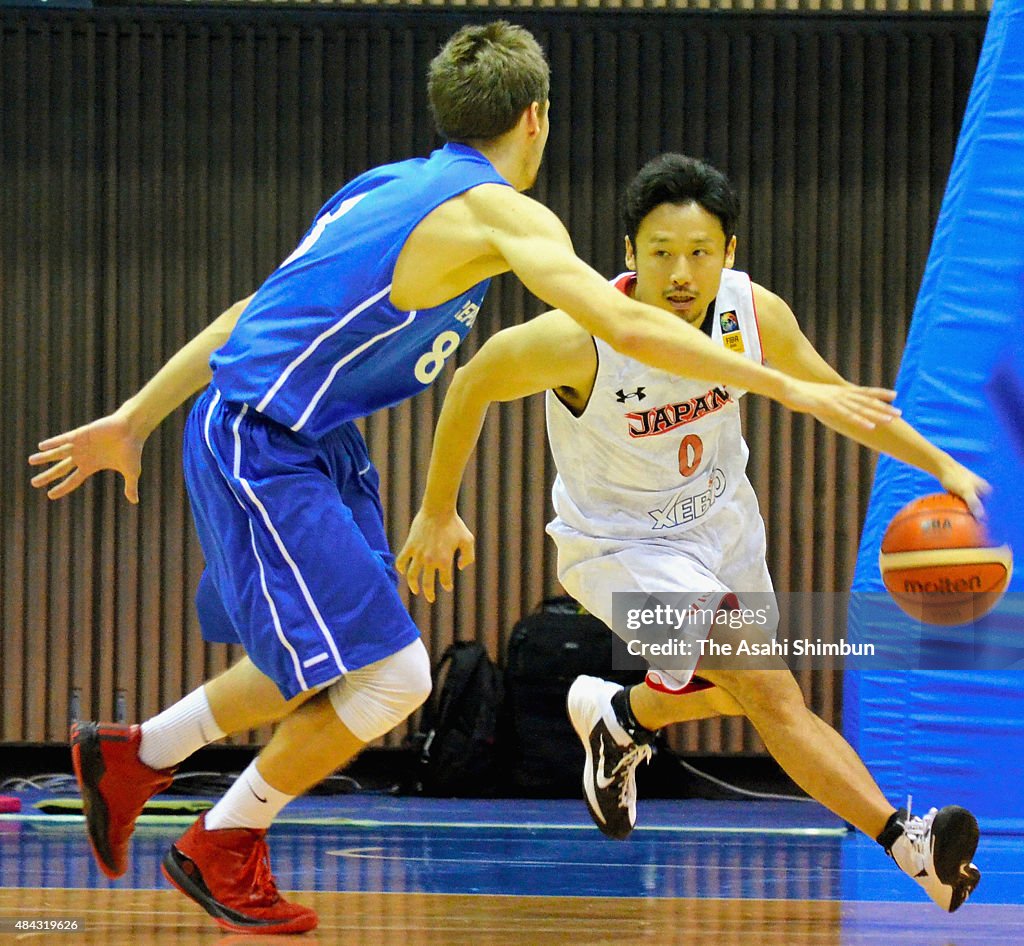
[{"x": 298, "y": 568}]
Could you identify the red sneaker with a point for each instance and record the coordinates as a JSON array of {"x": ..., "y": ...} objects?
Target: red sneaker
[
  {"x": 227, "y": 872},
  {"x": 115, "y": 786}
]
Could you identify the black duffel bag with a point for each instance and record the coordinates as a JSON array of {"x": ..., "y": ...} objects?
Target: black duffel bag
[{"x": 547, "y": 650}]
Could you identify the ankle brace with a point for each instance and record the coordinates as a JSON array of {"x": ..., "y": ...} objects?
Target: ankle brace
[
  {"x": 893, "y": 828},
  {"x": 624, "y": 714}
]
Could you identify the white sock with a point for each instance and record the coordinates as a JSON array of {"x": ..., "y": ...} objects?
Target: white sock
[
  {"x": 173, "y": 735},
  {"x": 249, "y": 803}
]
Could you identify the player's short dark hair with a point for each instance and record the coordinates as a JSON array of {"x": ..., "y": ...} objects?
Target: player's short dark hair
[
  {"x": 484, "y": 78},
  {"x": 677, "y": 179}
]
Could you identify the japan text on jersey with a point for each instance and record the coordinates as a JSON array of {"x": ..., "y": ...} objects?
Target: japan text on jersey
[{"x": 654, "y": 453}]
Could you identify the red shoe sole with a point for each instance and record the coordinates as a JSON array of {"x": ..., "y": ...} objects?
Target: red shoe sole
[
  {"x": 297, "y": 925},
  {"x": 88, "y": 800}
]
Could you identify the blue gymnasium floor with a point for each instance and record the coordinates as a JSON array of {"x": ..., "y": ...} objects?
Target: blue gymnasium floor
[{"x": 373, "y": 843}]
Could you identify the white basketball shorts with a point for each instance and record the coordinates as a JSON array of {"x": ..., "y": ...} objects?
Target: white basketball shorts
[{"x": 701, "y": 566}]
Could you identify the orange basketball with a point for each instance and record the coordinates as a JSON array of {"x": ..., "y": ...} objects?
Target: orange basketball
[{"x": 939, "y": 564}]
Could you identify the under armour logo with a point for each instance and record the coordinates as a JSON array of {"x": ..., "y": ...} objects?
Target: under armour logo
[{"x": 622, "y": 396}]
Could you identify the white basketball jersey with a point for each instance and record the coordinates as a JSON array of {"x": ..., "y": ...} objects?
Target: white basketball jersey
[{"x": 653, "y": 453}]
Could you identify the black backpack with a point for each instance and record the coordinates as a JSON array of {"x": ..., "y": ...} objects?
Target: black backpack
[
  {"x": 458, "y": 745},
  {"x": 547, "y": 650}
]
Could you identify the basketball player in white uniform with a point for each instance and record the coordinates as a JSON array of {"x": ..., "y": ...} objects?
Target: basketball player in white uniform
[
  {"x": 652, "y": 482},
  {"x": 652, "y": 498}
]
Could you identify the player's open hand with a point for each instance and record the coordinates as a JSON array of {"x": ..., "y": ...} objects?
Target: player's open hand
[
  {"x": 431, "y": 549},
  {"x": 970, "y": 487},
  {"x": 839, "y": 405},
  {"x": 71, "y": 458}
]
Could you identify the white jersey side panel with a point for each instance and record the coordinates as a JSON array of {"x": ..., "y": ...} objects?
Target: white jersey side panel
[{"x": 654, "y": 453}]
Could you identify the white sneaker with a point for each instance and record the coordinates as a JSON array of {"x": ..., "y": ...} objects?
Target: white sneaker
[
  {"x": 609, "y": 772},
  {"x": 936, "y": 851}
]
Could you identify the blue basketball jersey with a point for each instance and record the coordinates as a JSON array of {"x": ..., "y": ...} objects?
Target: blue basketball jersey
[{"x": 321, "y": 343}]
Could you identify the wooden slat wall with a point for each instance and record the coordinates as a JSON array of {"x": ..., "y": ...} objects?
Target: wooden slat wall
[
  {"x": 154, "y": 168},
  {"x": 624, "y": 6}
]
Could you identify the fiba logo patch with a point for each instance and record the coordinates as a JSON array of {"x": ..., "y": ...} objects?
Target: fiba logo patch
[{"x": 732, "y": 338}]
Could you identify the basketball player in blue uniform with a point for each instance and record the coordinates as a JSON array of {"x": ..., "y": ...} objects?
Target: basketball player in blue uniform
[
  {"x": 362, "y": 315},
  {"x": 652, "y": 498}
]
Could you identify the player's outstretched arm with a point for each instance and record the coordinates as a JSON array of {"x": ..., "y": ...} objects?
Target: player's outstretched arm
[
  {"x": 550, "y": 351},
  {"x": 535, "y": 245},
  {"x": 789, "y": 350},
  {"x": 115, "y": 442}
]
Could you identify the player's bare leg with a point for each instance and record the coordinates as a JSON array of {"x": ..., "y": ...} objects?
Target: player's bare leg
[
  {"x": 615, "y": 725},
  {"x": 655, "y": 709},
  {"x": 812, "y": 753},
  {"x": 119, "y": 768},
  {"x": 935, "y": 850},
  {"x": 243, "y": 698},
  {"x": 222, "y": 861},
  {"x": 307, "y": 746}
]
